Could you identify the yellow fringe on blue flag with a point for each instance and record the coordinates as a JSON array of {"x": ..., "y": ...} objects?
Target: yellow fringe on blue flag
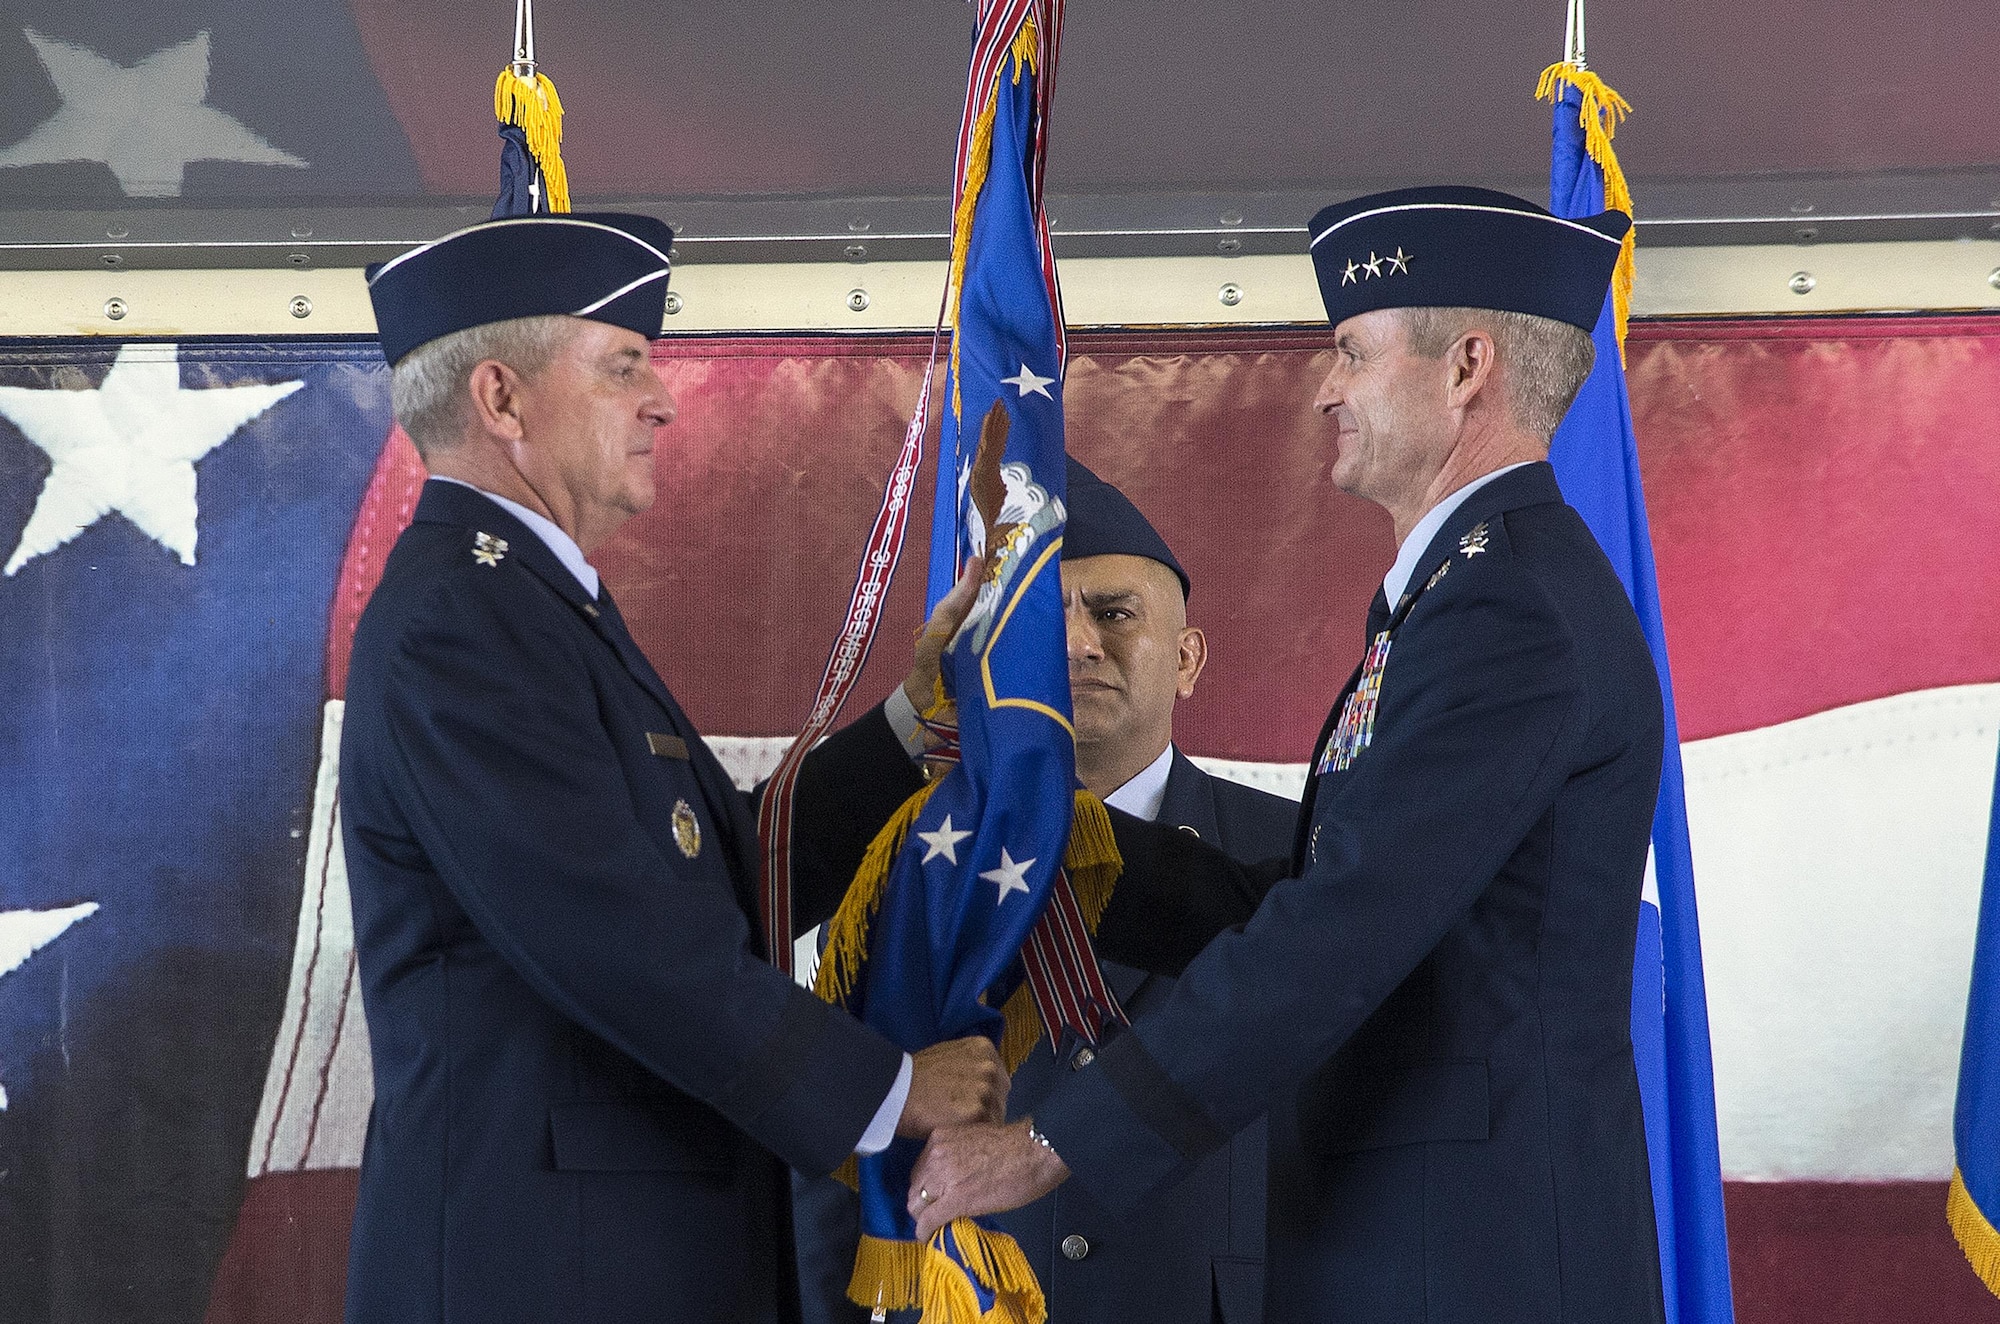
[
  {"x": 1975, "y": 1232},
  {"x": 1600, "y": 113},
  {"x": 903, "y": 1275},
  {"x": 533, "y": 105}
]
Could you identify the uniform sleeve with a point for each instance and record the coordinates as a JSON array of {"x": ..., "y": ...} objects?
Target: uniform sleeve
[
  {"x": 519, "y": 800},
  {"x": 847, "y": 789},
  {"x": 1481, "y": 708}
]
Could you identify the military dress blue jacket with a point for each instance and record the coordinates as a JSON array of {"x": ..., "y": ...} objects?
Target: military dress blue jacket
[
  {"x": 1435, "y": 1005},
  {"x": 587, "y": 1078},
  {"x": 1191, "y": 1254}
]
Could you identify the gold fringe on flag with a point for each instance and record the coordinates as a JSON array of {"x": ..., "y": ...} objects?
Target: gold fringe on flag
[
  {"x": 978, "y": 159},
  {"x": 1094, "y": 866},
  {"x": 1975, "y": 1233},
  {"x": 533, "y": 105},
  {"x": 1600, "y": 113},
  {"x": 903, "y": 1275}
]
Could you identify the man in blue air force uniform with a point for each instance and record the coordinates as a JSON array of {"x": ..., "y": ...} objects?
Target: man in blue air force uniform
[
  {"x": 1192, "y": 1253},
  {"x": 585, "y": 1074},
  {"x": 1433, "y": 1002}
]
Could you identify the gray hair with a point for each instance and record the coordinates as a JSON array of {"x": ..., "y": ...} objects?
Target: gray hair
[
  {"x": 429, "y": 389},
  {"x": 1545, "y": 361}
]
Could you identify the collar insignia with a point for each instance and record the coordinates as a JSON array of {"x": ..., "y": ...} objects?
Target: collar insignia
[
  {"x": 1474, "y": 542},
  {"x": 488, "y": 550}
]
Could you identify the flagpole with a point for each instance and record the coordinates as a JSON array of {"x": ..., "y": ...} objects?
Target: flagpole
[
  {"x": 524, "y": 38},
  {"x": 1572, "y": 35}
]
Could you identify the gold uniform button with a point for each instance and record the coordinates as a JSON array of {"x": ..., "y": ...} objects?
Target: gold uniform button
[{"x": 1075, "y": 1247}]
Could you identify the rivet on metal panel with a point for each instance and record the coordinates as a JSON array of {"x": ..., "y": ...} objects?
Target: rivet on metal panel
[
  {"x": 1229, "y": 245},
  {"x": 116, "y": 232},
  {"x": 115, "y": 309},
  {"x": 299, "y": 259},
  {"x": 856, "y": 252},
  {"x": 674, "y": 253},
  {"x": 858, "y": 224},
  {"x": 1806, "y": 233},
  {"x": 302, "y": 232},
  {"x": 674, "y": 302},
  {"x": 1231, "y": 218},
  {"x": 301, "y": 306},
  {"x": 857, "y": 300},
  {"x": 1802, "y": 282},
  {"x": 113, "y": 260},
  {"x": 1802, "y": 208},
  {"x": 1993, "y": 278},
  {"x": 1230, "y": 294}
]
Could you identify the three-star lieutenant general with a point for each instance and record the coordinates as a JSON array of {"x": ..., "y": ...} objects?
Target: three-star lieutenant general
[{"x": 1434, "y": 1004}]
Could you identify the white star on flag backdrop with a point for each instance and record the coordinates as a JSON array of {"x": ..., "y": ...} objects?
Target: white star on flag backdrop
[
  {"x": 943, "y": 842},
  {"x": 129, "y": 447},
  {"x": 25, "y": 932},
  {"x": 1012, "y": 875},
  {"x": 1028, "y": 383},
  {"x": 145, "y": 121}
]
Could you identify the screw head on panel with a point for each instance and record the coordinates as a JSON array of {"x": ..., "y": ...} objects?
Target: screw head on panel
[
  {"x": 299, "y": 259},
  {"x": 302, "y": 307},
  {"x": 116, "y": 232},
  {"x": 674, "y": 302},
  {"x": 113, "y": 259},
  {"x": 856, "y": 252},
  {"x": 1230, "y": 294},
  {"x": 115, "y": 309},
  {"x": 1802, "y": 282},
  {"x": 1230, "y": 244},
  {"x": 1993, "y": 278},
  {"x": 857, "y": 301}
]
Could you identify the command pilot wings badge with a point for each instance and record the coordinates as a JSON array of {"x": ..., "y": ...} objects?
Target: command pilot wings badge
[
  {"x": 488, "y": 550},
  {"x": 1474, "y": 542}
]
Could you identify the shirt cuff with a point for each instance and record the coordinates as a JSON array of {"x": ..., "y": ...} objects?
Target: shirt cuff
[
  {"x": 903, "y": 720},
  {"x": 883, "y": 1129}
]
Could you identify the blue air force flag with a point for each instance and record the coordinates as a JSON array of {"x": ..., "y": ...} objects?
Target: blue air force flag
[{"x": 1596, "y": 460}]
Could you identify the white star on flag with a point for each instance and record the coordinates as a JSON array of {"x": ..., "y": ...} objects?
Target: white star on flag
[
  {"x": 1027, "y": 383},
  {"x": 942, "y": 842},
  {"x": 1012, "y": 876},
  {"x": 146, "y": 122},
  {"x": 24, "y": 932},
  {"x": 129, "y": 446}
]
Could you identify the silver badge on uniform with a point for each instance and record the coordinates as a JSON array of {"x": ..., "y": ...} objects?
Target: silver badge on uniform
[
  {"x": 1474, "y": 542},
  {"x": 687, "y": 829},
  {"x": 487, "y": 549}
]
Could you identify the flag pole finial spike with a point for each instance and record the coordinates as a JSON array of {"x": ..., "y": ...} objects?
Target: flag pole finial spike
[
  {"x": 524, "y": 39},
  {"x": 1572, "y": 35}
]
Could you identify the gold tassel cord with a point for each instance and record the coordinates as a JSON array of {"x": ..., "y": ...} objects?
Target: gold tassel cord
[
  {"x": 1600, "y": 114},
  {"x": 978, "y": 161},
  {"x": 533, "y": 105},
  {"x": 1976, "y": 1235}
]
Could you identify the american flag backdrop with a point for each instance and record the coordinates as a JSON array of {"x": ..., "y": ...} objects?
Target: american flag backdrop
[{"x": 180, "y": 1049}]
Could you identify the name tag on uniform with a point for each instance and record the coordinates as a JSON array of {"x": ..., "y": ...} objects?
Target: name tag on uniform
[{"x": 666, "y": 746}]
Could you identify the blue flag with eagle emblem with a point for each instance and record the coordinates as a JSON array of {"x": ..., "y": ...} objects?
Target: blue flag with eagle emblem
[{"x": 973, "y": 860}]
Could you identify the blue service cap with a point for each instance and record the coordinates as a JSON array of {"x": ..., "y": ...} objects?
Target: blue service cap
[
  {"x": 606, "y": 266},
  {"x": 1456, "y": 247},
  {"x": 1102, "y": 521}
]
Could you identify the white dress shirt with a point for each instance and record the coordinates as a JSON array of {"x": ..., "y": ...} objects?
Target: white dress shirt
[
  {"x": 883, "y": 1128},
  {"x": 1398, "y": 579}
]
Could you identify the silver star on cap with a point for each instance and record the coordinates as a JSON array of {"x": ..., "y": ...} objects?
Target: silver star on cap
[
  {"x": 1399, "y": 261},
  {"x": 1373, "y": 266},
  {"x": 1347, "y": 276}
]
